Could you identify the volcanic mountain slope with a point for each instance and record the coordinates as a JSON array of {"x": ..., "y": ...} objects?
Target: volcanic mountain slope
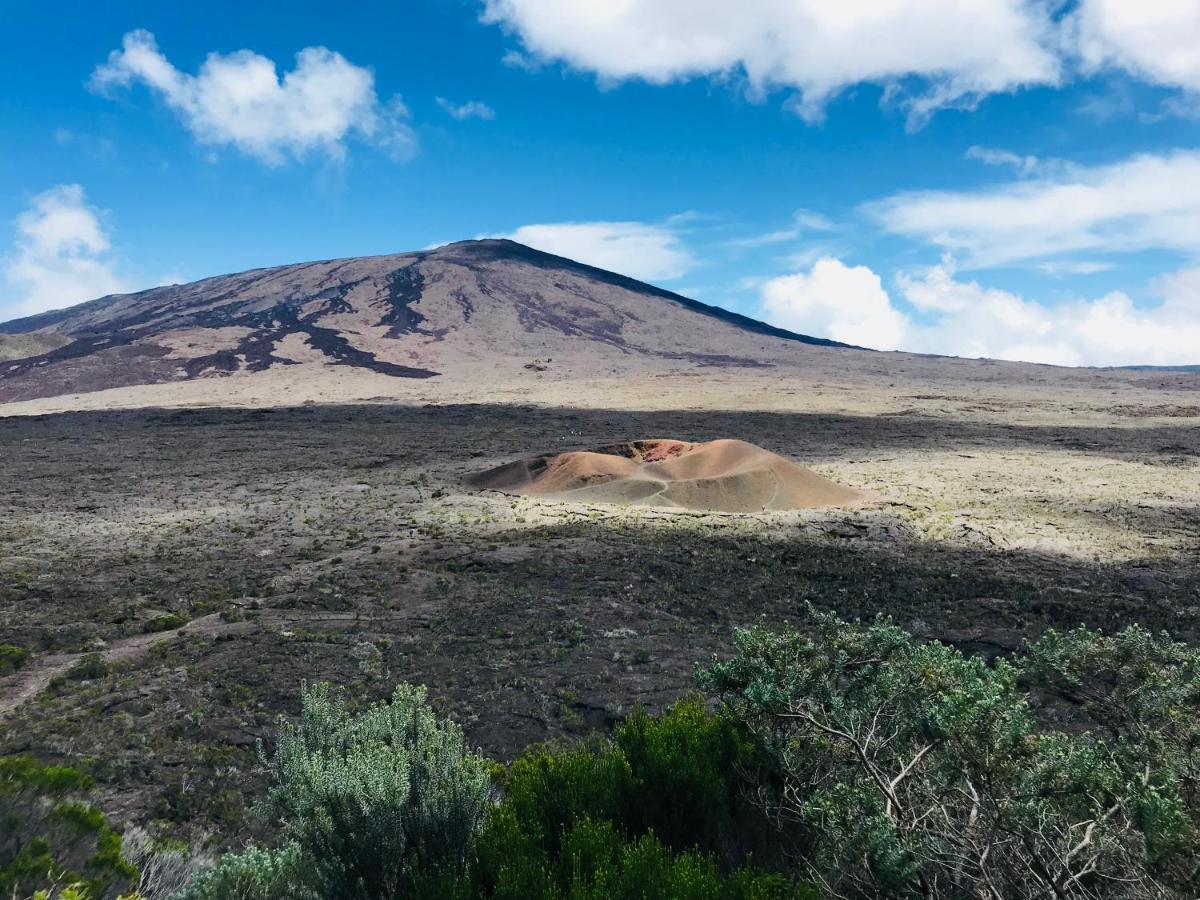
[{"x": 471, "y": 307}]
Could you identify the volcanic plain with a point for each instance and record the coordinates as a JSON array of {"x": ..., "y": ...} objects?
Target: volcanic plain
[{"x": 177, "y": 558}]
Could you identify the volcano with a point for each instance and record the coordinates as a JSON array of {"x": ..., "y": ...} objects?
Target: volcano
[
  {"x": 487, "y": 306},
  {"x": 724, "y": 475}
]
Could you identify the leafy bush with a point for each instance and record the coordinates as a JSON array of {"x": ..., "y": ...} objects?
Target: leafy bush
[
  {"x": 678, "y": 775},
  {"x": 165, "y": 622},
  {"x": 595, "y": 860},
  {"x": 387, "y": 803},
  {"x": 253, "y": 874},
  {"x": 12, "y": 658},
  {"x": 603, "y": 819},
  {"x": 849, "y": 756},
  {"x": 88, "y": 667},
  {"x": 367, "y": 798},
  {"x": 51, "y": 836},
  {"x": 690, "y": 772},
  {"x": 912, "y": 770}
]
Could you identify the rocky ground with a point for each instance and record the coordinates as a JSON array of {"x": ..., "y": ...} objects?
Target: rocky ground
[{"x": 340, "y": 542}]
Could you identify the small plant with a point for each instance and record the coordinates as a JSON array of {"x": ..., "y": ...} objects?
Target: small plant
[
  {"x": 12, "y": 658},
  {"x": 253, "y": 874},
  {"x": 88, "y": 667},
  {"x": 165, "y": 622}
]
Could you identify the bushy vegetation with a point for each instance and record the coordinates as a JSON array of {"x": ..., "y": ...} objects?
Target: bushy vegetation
[
  {"x": 844, "y": 760},
  {"x": 12, "y": 658},
  {"x": 387, "y": 803},
  {"x": 165, "y": 622},
  {"x": 50, "y": 835},
  {"x": 910, "y": 770},
  {"x": 833, "y": 759},
  {"x": 657, "y": 812},
  {"x": 363, "y": 803},
  {"x": 88, "y": 667}
]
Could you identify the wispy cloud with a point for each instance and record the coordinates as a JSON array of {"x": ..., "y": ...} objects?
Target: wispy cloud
[
  {"x": 1151, "y": 201},
  {"x": 472, "y": 109},
  {"x": 804, "y": 221},
  {"x": 650, "y": 252},
  {"x": 1024, "y": 164}
]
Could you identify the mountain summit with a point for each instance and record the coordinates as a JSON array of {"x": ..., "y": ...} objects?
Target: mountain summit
[{"x": 463, "y": 308}]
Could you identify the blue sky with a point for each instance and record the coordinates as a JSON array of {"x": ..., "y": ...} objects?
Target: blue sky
[{"x": 999, "y": 177}]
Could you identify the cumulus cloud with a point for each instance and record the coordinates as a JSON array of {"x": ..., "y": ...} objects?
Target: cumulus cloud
[
  {"x": 1155, "y": 40},
  {"x": 240, "y": 100},
  {"x": 971, "y": 320},
  {"x": 958, "y": 52},
  {"x": 943, "y": 314},
  {"x": 62, "y": 255},
  {"x": 472, "y": 109},
  {"x": 640, "y": 250},
  {"x": 833, "y": 300},
  {"x": 1151, "y": 201}
]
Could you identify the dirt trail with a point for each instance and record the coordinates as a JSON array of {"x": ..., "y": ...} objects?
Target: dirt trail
[
  {"x": 30, "y": 681},
  {"x": 24, "y": 685}
]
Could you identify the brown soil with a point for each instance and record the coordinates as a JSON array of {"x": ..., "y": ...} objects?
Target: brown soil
[{"x": 722, "y": 475}]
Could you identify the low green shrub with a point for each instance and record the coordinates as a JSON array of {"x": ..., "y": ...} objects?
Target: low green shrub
[
  {"x": 165, "y": 622},
  {"x": 594, "y": 860},
  {"x": 254, "y": 874},
  {"x": 680, "y": 775},
  {"x": 369, "y": 797},
  {"x": 848, "y": 759},
  {"x": 88, "y": 667},
  {"x": 12, "y": 658},
  {"x": 912, "y": 770},
  {"x": 691, "y": 770},
  {"x": 658, "y": 812},
  {"x": 50, "y": 835}
]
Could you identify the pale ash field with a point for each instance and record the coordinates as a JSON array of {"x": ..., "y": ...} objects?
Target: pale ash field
[{"x": 338, "y": 540}]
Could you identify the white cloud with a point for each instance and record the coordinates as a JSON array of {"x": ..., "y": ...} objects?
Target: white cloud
[
  {"x": 637, "y": 249},
  {"x": 472, "y": 109},
  {"x": 833, "y": 300},
  {"x": 971, "y": 320},
  {"x": 804, "y": 220},
  {"x": 1155, "y": 40},
  {"x": 62, "y": 255},
  {"x": 239, "y": 100},
  {"x": 1075, "y": 267},
  {"x": 964, "y": 318},
  {"x": 1145, "y": 202},
  {"x": 766, "y": 239},
  {"x": 1024, "y": 164},
  {"x": 958, "y": 51},
  {"x": 808, "y": 220}
]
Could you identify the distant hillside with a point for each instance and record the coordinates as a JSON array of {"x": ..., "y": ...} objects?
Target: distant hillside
[
  {"x": 19, "y": 346},
  {"x": 467, "y": 307}
]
